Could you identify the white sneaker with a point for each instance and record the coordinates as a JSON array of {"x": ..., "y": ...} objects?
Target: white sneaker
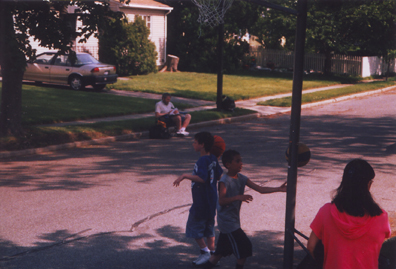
[
  {"x": 184, "y": 133},
  {"x": 203, "y": 258}
]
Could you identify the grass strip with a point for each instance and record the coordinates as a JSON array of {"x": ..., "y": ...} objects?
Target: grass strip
[
  {"x": 329, "y": 94},
  {"x": 45, "y": 136}
]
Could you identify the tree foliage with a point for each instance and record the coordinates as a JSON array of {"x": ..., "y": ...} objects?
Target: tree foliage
[
  {"x": 350, "y": 27},
  {"x": 275, "y": 29},
  {"x": 196, "y": 45},
  {"x": 372, "y": 28},
  {"x": 127, "y": 46}
]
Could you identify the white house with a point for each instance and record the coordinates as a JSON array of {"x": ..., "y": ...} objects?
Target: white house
[
  {"x": 155, "y": 15},
  {"x": 153, "y": 12}
]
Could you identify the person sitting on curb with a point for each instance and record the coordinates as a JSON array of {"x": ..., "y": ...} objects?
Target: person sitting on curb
[{"x": 166, "y": 111}]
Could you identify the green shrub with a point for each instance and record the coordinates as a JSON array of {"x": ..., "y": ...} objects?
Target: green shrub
[{"x": 126, "y": 45}]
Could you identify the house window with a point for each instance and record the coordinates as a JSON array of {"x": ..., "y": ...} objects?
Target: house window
[{"x": 148, "y": 21}]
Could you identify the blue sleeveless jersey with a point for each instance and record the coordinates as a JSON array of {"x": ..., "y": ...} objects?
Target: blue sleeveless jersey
[{"x": 205, "y": 194}]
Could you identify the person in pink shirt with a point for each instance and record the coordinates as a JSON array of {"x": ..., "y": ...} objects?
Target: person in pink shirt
[{"x": 353, "y": 226}]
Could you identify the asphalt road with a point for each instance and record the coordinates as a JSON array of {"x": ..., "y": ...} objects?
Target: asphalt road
[{"x": 114, "y": 206}]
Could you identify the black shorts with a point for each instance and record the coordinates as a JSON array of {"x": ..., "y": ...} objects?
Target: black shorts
[
  {"x": 236, "y": 243},
  {"x": 168, "y": 119}
]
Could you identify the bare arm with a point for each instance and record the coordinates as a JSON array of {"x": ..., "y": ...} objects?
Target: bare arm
[
  {"x": 157, "y": 114},
  {"x": 223, "y": 200},
  {"x": 194, "y": 178},
  {"x": 262, "y": 189},
  {"x": 312, "y": 241}
]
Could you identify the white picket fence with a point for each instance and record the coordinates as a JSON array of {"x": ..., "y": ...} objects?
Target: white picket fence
[{"x": 340, "y": 64}]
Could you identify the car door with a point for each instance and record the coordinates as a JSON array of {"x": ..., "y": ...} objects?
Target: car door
[
  {"x": 39, "y": 69},
  {"x": 60, "y": 70}
]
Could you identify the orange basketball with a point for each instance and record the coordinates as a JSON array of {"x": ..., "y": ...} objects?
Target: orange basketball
[
  {"x": 303, "y": 154},
  {"x": 218, "y": 146}
]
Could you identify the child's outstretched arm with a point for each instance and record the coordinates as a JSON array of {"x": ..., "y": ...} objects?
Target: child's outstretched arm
[
  {"x": 262, "y": 189},
  {"x": 223, "y": 200},
  {"x": 194, "y": 178},
  {"x": 312, "y": 241}
]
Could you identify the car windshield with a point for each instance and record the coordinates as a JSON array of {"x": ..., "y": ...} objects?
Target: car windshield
[
  {"x": 44, "y": 58},
  {"x": 85, "y": 59}
]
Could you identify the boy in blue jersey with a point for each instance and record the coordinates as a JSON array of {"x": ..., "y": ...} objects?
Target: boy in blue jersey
[{"x": 207, "y": 172}]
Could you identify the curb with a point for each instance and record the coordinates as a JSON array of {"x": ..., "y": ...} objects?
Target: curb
[
  {"x": 106, "y": 140},
  {"x": 347, "y": 97},
  {"x": 77, "y": 144}
]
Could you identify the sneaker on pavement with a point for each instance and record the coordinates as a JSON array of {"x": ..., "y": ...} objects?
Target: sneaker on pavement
[
  {"x": 184, "y": 133},
  {"x": 202, "y": 259}
]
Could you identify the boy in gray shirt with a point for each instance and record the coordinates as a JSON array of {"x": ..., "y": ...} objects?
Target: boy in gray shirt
[{"x": 232, "y": 239}]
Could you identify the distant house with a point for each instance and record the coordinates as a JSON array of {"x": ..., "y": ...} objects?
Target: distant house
[{"x": 153, "y": 12}]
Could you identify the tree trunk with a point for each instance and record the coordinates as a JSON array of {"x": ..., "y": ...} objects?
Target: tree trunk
[
  {"x": 327, "y": 64},
  {"x": 171, "y": 64},
  {"x": 12, "y": 62},
  {"x": 11, "y": 102}
]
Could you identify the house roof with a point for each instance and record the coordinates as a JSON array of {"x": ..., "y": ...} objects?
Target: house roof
[{"x": 146, "y": 4}]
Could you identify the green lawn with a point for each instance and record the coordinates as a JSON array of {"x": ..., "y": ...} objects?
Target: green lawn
[
  {"x": 204, "y": 86},
  {"x": 42, "y": 105},
  {"x": 329, "y": 94}
]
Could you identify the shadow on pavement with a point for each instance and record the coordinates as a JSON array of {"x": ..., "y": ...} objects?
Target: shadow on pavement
[
  {"x": 115, "y": 250},
  {"x": 262, "y": 143}
]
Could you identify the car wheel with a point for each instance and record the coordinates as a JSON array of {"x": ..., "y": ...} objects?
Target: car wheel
[
  {"x": 76, "y": 83},
  {"x": 99, "y": 87}
]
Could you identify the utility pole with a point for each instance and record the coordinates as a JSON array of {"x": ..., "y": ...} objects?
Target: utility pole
[{"x": 298, "y": 72}]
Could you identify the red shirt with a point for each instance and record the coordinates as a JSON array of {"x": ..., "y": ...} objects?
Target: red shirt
[{"x": 350, "y": 242}]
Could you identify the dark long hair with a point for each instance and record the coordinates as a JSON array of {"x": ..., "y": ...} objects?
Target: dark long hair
[{"x": 353, "y": 195}]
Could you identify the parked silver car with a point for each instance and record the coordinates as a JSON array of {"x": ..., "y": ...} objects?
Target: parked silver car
[{"x": 55, "y": 68}]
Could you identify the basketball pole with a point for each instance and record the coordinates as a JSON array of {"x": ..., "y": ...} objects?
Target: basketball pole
[
  {"x": 298, "y": 71},
  {"x": 220, "y": 67}
]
